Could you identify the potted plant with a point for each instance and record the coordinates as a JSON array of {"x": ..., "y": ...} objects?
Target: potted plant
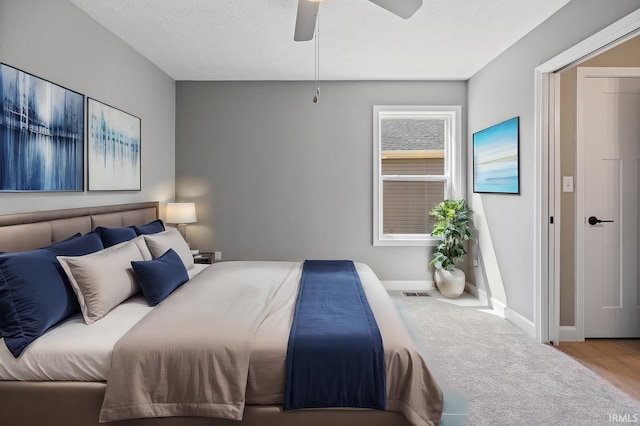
[{"x": 452, "y": 226}]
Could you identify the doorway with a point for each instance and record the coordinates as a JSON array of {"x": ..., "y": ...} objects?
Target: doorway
[{"x": 548, "y": 178}]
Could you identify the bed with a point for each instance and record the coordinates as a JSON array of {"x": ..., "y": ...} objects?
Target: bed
[{"x": 72, "y": 391}]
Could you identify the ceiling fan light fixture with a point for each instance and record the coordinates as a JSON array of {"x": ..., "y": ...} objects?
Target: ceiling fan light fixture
[{"x": 308, "y": 25}]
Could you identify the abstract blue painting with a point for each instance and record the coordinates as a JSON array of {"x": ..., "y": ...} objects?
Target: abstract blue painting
[
  {"x": 113, "y": 149},
  {"x": 41, "y": 134},
  {"x": 496, "y": 158}
]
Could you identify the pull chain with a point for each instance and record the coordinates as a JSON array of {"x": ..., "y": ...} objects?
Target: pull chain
[{"x": 317, "y": 59}]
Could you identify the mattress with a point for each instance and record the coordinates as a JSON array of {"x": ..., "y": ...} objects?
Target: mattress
[{"x": 75, "y": 351}]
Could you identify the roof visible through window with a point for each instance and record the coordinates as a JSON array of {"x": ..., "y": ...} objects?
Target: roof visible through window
[{"x": 411, "y": 134}]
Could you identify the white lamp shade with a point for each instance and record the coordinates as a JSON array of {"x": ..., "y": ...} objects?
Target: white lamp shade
[{"x": 181, "y": 213}]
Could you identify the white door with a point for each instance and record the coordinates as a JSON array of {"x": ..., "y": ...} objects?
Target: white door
[{"x": 609, "y": 141}]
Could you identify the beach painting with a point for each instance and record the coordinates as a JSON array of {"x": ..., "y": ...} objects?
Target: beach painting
[
  {"x": 41, "y": 134},
  {"x": 496, "y": 158},
  {"x": 113, "y": 148}
]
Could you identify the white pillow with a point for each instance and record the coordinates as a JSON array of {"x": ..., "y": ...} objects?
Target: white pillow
[
  {"x": 104, "y": 279},
  {"x": 162, "y": 241},
  {"x": 142, "y": 246}
]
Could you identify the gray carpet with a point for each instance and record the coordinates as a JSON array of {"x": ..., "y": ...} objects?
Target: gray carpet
[{"x": 502, "y": 376}]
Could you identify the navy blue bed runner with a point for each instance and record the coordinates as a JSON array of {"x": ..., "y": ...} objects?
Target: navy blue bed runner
[{"x": 335, "y": 356}]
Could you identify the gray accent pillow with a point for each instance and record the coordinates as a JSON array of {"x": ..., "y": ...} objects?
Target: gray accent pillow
[
  {"x": 104, "y": 279},
  {"x": 161, "y": 242}
]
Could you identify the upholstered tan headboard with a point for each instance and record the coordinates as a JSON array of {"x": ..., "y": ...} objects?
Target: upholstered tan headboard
[{"x": 28, "y": 231}]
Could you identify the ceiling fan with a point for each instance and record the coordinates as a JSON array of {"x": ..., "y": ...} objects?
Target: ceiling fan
[{"x": 308, "y": 10}]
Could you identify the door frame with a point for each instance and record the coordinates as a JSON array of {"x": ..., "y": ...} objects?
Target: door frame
[
  {"x": 546, "y": 184},
  {"x": 582, "y": 73}
]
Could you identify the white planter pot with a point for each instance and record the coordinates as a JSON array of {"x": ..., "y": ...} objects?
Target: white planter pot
[{"x": 450, "y": 283}]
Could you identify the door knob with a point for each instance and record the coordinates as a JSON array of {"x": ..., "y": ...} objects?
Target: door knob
[{"x": 594, "y": 220}]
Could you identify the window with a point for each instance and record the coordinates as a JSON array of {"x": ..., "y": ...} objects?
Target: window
[{"x": 417, "y": 163}]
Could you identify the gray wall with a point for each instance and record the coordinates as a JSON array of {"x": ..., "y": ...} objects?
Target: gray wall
[
  {"x": 276, "y": 177},
  {"x": 56, "y": 41},
  {"x": 504, "y": 89}
]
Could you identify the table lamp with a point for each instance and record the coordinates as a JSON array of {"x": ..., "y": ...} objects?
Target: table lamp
[{"x": 180, "y": 214}]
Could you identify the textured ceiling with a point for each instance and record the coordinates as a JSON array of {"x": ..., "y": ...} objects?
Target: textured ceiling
[{"x": 253, "y": 39}]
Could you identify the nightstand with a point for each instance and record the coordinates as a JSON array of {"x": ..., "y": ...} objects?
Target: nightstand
[{"x": 203, "y": 257}]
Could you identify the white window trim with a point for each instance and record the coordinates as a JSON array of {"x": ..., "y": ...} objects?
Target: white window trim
[{"x": 453, "y": 168}]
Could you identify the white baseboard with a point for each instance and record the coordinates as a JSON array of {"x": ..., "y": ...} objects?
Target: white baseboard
[
  {"x": 471, "y": 289},
  {"x": 481, "y": 295},
  {"x": 503, "y": 310},
  {"x": 499, "y": 307},
  {"x": 521, "y": 322},
  {"x": 408, "y": 285},
  {"x": 568, "y": 333}
]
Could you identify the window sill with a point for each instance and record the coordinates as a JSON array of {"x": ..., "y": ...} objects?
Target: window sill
[{"x": 407, "y": 242}]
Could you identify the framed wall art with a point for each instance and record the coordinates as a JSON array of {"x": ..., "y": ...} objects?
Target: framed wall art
[
  {"x": 41, "y": 134},
  {"x": 496, "y": 159},
  {"x": 113, "y": 148}
]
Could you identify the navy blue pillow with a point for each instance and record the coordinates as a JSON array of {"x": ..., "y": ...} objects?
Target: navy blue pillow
[
  {"x": 112, "y": 236},
  {"x": 85, "y": 244},
  {"x": 76, "y": 235},
  {"x": 159, "y": 277},
  {"x": 150, "y": 228},
  {"x": 34, "y": 291}
]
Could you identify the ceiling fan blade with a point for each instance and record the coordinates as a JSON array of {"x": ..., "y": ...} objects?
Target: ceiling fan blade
[
  {"x": 306, "y": 20},
  {"x": 403, "y": 8}
]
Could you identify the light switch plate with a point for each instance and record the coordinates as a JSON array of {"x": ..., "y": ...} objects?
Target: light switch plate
[{"x": 567, "y": 183}]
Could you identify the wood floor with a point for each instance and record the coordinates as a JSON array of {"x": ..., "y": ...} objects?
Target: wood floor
[{"x": 616, "y": 360}]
